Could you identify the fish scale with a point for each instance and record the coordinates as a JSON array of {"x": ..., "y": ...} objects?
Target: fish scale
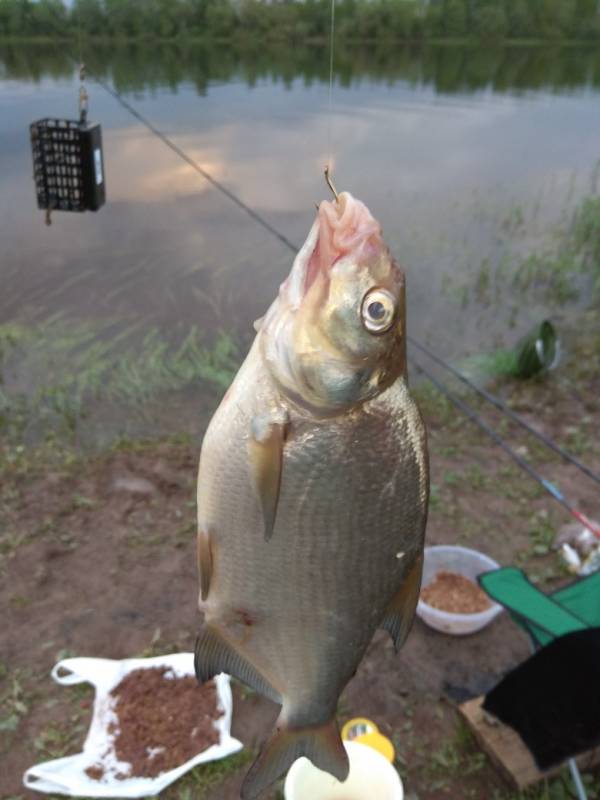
[
  {"x": 312, "y": 493},
  {"x": 320, "y": 573}
]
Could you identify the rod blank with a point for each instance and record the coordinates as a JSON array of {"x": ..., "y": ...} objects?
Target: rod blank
[
  {"x": 496, "y": 401},
  {"x": 474, "y": 417}
]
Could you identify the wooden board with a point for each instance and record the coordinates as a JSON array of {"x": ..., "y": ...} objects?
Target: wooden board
[{"x": 506, "y": 750}]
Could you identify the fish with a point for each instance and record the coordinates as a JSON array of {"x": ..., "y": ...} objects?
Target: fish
[{"x": 313, "y": 488}]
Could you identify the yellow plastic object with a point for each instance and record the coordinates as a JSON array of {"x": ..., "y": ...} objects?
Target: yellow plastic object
[
  {"x": 378, "y": 742},
  {"x": 358, "y": 727}
]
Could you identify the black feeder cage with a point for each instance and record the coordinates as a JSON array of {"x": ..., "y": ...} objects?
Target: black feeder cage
[{"x": 68, "y": 166}]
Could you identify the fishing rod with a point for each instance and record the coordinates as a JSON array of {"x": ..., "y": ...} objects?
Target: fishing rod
[
  {"x": 548, "y": 486},
  {"x": 496, "y": 401},
  {"x": 293, "y": 248}
]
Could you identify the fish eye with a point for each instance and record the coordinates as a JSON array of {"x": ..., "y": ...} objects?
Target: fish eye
[{"x": 378, "y": 310}]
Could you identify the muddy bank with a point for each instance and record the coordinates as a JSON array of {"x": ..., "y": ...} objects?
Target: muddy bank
[{"x": 98, "y": 559}]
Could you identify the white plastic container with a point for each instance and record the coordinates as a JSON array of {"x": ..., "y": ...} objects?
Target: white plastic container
[
  {"x": 371, "y": 777},
  {"x": 463, "y": 561}
]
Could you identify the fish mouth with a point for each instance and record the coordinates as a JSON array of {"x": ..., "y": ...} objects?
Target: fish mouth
[
  {"x": 343, "y": 228},
  {"x": 314, "y": 339}
]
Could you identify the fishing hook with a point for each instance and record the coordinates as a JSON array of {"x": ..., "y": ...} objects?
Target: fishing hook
[{"x": 330, "y": 184}]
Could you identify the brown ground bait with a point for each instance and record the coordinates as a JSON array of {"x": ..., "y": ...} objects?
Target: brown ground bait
[
  {"x": 162, "y": 721},
  {"x": 454, "y": 593},
  {"x": 95, "y": 772}
]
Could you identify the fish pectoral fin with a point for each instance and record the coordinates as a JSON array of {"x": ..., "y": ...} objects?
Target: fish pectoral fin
[
  {"x": 401, "y": 611},
  {"x": 205, "y": 562},
  {"x": 320, "y": 743},
  {"x": 265, "y": 451},
  {"x": 214, "y": 654}
]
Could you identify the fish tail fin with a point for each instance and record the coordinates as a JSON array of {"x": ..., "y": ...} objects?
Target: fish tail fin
[{"x": 319, "y": 743}]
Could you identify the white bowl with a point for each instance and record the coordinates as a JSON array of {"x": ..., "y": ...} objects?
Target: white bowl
[
  {"x": 463, "y": 561},
  {"x": 371, "y": 777}
]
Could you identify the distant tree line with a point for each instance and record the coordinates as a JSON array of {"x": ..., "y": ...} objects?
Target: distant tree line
[{"x": 303, "y": 20}]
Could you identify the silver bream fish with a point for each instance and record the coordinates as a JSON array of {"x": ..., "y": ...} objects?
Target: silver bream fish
[{"x": 313, "y": 490}]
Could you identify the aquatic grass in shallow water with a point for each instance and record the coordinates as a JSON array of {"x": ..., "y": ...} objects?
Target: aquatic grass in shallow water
[
  {"x": 585, "y": 235},
  {"x": 572, "y": 265},
  {"x": 139, "y": 376},
  {"x": 533, "y": 265},
  {"x": 51, "y": 374}
]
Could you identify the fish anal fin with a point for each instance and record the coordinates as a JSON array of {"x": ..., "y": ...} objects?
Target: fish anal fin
[
  {"x": 265, "y": 451},
  {"x": 214, "y": 654},
  {"x": 401, "y": 611},
  {"x": 205, "y": 562},
  {"x": 321, "y": 744}
]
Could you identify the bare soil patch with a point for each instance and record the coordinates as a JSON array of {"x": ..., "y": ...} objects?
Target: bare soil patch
[{"x": 98, "y": 559}]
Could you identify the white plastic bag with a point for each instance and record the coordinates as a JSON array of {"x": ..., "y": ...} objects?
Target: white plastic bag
[{"x": 68, "y": 776}]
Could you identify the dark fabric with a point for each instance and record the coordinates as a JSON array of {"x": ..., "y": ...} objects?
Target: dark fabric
[{"x": 552, "y": 700}]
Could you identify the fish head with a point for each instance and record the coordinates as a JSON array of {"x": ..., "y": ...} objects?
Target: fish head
[{"x": 335, "y": 336}]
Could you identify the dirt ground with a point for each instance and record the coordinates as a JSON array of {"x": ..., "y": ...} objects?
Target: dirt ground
[{"x": 97, "y": 558}]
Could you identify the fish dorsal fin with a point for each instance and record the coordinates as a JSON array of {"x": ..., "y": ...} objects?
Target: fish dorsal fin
[
  {"x": 320, "y": 743},
  {"x": 401, "y": 611},
  {"x": 265, "y": 452},
  {"x": 214, "y": 654}
]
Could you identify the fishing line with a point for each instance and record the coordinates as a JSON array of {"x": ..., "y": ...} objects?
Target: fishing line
[
  {"x": 548, "y": 486},
  {"x": 79, "y": 34},
  {"x": 294, "y": 249},
  {"x": 330, "y": 111},
  {"x": 496, "y": 401},
  {"x": 189, "y": 160}
]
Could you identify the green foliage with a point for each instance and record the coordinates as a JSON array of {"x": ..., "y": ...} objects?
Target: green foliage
[
  {"x": 455, "y": 17},
  {"x": 520, "y": 20},
  {"x": 488, "y": 21},
  {"x": 196, "y": 784},
  {"x": 585, "y": 237},
  {"x": 87, "y": 367},
  {"x": 296, "y": 21},
  {"x": 559, "y": 788},
  {"x": 574, "y": 264}
]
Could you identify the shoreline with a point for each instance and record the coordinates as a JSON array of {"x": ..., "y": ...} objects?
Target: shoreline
[{"x": 243, "y": 39}]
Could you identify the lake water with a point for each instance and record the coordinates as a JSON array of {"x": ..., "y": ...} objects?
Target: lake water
[{"x": 472, "y": 159}]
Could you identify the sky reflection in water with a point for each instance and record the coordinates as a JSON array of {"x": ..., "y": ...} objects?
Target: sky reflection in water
[{"x": 442, "y": 169}]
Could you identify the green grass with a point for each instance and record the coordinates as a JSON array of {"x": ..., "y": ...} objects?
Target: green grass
[
  {"x": 457, "y": 756},
  {"x": 67, "y": 367},
  {"x": 585, "y": 237},
  {"x": 15, "y": 703},
  {"x": 433, "y": 404},
  {"x": 563, "y": 266},
  {"x": 196, "y": 784},
  {"x": 574, "y": 253},
  {"x": 559, "y": 788}
]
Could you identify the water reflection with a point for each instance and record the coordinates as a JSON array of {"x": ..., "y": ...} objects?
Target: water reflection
[
  {"x": 136, "y": 67},
  {"x": 132, "y": 181},
  {"x": 472, "y": 159}
]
